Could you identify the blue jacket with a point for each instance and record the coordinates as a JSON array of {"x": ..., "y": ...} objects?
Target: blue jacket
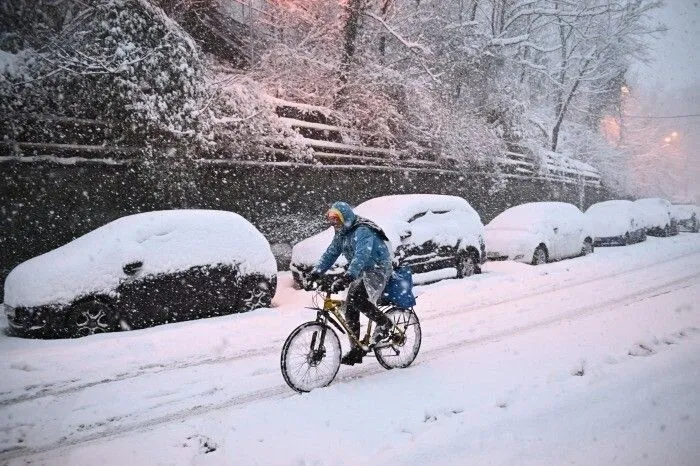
[{"x": 359, "y": 242}]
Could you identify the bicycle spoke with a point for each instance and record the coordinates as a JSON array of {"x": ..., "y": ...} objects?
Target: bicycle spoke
[
  {"x": 406, "y": 343},
  {"x": 305, "y": 363}
]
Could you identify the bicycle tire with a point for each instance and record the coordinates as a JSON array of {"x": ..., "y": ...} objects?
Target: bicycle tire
[
  {"x": 298, "y": 354},
  {"x": 403, "y": 350}
]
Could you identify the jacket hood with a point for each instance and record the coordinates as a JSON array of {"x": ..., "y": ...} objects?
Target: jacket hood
[{"x": 349, "y": 216}]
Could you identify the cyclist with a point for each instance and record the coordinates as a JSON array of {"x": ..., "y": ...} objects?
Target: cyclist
[{"x": 370, "y": 265}]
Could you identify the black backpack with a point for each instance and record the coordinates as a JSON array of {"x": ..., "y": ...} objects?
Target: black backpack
[{"x": 364, "y": 222}]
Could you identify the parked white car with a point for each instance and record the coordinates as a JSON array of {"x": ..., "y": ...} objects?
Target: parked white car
[
  {"x": 538, "y": 232},
  {"x": 437, "y": 236},
  {"x": 658, "y": 218},
  {"x": 616, "y": 222},
  {"x": 687, "y": 217}
]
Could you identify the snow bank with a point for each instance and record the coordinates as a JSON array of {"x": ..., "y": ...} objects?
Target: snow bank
[{"x": 165, "y": 241}]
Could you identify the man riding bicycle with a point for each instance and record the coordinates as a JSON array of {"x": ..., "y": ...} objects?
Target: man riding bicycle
[{"x": 363, "y": 244}]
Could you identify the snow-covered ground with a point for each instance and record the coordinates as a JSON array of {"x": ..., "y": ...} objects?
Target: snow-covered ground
[{"x": 593, "y": 360}]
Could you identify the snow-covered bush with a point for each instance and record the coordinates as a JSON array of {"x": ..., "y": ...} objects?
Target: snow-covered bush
[
  {"x": 246, "y": 125},
  {"x": 123, "y": 61}
]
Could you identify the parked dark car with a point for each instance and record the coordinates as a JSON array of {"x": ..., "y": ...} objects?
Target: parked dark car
[
  {"x": 687, "y": 216},
  {"x": 659, "y": 221},
  {"x": 142, "y": 270},
  {"x": 437, "y": 236}
]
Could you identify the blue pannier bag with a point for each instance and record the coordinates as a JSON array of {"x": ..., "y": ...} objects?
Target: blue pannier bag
[{"x": 399, "y": 288}]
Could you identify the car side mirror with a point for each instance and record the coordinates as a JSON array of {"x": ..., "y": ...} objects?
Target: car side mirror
[
  {"x": 556, "y": 230},
  {"x": 405, "y": 235},
  {"x": 132, "y": 267}
]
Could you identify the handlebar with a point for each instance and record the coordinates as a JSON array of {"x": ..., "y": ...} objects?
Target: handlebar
[{"x": 324, "y": 284}]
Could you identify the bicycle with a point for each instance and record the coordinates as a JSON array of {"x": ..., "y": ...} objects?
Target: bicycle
[{"x": 311, "y": 354}]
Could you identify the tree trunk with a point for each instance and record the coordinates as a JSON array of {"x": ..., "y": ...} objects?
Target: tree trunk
[
  {"x": 355, "y": 8},
  {"x": 565, "y": 105},
  {"x": 386, "y": 4}
]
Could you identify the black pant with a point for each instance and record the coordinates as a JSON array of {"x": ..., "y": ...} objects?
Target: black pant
[{"x": 358, "y": 301}]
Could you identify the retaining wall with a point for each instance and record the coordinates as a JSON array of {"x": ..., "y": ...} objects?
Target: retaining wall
[{"x": 44, "y": 205}]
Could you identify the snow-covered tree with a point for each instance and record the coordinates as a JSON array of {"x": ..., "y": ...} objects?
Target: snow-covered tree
[{"x": 122, "y": 61}]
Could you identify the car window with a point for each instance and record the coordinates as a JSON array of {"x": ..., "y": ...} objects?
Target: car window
[{"x": 422, "y": 214}]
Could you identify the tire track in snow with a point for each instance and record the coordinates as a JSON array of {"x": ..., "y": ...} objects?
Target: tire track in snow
[
  {"x": 282, "y": 391},
  {"x": 143, "y": 370},
  {"x": 269, "y": 350},
  {"x": 552, "y": 288}
]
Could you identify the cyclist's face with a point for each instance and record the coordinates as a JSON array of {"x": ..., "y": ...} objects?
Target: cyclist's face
[{"x": 334, "y": 220}]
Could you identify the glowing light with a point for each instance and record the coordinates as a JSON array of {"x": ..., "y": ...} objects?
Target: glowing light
[{"x": 610, "y": 128}]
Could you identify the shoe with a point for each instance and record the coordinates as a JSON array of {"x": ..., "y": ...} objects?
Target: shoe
[
  {"x": 353, "y": 357},
  {"x": 381, "y": 333}
]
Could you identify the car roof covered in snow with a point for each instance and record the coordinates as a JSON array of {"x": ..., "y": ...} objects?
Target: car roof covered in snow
[
  {"x": 405, "y": 206},
  {"x": 683, "y": 210},
  {"x": 527, "y": 214},
  {"x": 613, "y": 204},
  {"x": 653, "y": 202},
  {"x": 165, "y": 241}
]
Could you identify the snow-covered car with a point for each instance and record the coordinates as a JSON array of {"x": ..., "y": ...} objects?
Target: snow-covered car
[
  {"x": 143, "y": 270},
  {"x": 658, "y": 218},
  {"x": 538, "y": 232},
  {"x": 437, "y": 236},
  {"x": 687, "y": 217},
  {"x": 616, "y": 222}
]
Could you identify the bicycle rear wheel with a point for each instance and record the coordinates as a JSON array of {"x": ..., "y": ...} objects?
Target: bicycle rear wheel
[
  {"x": 402, "y": 348},
  {"x": 306, "y": 363}
]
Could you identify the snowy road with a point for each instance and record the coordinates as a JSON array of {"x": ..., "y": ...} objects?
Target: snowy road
[{"x": 578, "y": 361}]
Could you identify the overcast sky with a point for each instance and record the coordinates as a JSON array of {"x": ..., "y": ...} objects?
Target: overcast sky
[
  {"x": 675, "y": 53},
  {"x": 671, "y": 86}
]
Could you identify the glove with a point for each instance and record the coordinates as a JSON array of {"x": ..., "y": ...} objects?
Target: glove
[
  {"x": 341, "y": 283},
  {"x": 312, "y": 279}
]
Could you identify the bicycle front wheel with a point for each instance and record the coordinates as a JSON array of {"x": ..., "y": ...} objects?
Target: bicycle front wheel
[
  {"x": 310, "y": 357},
  {"x": 403, "y": 346}
]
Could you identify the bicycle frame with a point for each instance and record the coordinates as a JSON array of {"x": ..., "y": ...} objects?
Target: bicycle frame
[{"x": 332, "y": 312}]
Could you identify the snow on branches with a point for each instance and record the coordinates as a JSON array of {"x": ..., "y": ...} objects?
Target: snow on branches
[{"x": 122, "y": 61}]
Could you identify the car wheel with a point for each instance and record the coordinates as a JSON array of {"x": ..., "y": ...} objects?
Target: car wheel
[
  {"x": 91, "y": 317},
  {"x": 255, "y": 294},
  {"x": 587, "y": 247},
  {"x": 540, "y": 255},
  {"x": 466, "y": 265}
]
